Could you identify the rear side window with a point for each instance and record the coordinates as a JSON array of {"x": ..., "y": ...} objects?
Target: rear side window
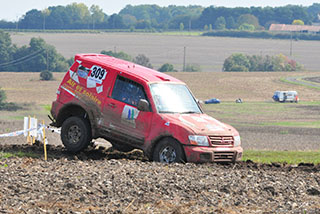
[{"x": 128, "y": 91}]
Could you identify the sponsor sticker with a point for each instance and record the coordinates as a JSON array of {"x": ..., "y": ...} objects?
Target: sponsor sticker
[{"x": 98, "y": 74}]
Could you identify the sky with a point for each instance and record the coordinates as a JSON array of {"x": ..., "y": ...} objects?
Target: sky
[{"x": 12, "y": 10}]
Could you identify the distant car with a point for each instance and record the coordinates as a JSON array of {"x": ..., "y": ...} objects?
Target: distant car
[
  {"x": 285, "y": 96},
  {"x": 212, "y": 101}
]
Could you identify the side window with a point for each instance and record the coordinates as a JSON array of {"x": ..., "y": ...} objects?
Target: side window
[{"x": 128, "y": 91}]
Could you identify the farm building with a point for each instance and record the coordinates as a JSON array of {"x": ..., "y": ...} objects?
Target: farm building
[{"x": 295, "y": 28}]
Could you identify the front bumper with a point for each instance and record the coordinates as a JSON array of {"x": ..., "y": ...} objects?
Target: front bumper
[{"x": 199, "y": 154}]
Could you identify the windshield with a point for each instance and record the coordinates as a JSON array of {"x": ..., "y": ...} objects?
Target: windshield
[{"x": 173, "y": 98}]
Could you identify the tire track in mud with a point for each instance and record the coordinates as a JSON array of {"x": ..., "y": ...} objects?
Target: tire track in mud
[{"x": 98, "y": 153}]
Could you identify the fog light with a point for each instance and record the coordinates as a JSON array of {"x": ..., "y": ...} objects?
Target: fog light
[{"x": 205, "y": 156}]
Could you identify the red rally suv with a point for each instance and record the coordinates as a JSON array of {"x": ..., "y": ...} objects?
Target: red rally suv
[{"x": 134, "y": 107}]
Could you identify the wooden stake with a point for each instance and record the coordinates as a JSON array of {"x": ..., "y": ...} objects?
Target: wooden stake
[{"x": 44, "y": 141}]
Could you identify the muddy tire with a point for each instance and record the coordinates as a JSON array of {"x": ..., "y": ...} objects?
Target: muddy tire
[
  {"x": 168, "y": 150},
  {"x": 75, "y": 134}
]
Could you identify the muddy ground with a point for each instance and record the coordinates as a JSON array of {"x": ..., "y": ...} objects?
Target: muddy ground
[
  {"x": 105, "y": 181},
  {"x": 101, "y": 180}
]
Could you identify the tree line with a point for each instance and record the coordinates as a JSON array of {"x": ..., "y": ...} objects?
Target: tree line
[
  {"x": 38, "y": 56},
  {"x": 146, "y": 17}
]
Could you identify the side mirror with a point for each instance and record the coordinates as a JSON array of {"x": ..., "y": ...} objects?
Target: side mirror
[{"x": 143, "y": 105}]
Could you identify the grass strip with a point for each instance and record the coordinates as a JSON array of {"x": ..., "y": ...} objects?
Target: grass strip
[
  {"x": 300, "y": 83},
  {"x": 290, "y": 157},
  {"x": 20, "y": 154}
]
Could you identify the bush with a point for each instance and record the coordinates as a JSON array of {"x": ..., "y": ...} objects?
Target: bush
[
  {"x": 46, "y": 75},
  {"x": 119, "y": 55},
  {"x": 166, "y": 68},
  {"x": 192, "y": 68},
  {"x": 242, "y": 62},
  {"x": 263, "y": 35},
  {"x": 3, "y": 96},
  {"x": 7, "y": 106},
  {"x": 141, "y": 59}
]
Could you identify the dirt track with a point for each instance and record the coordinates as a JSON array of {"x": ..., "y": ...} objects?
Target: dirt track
[{"x": 99, "y": 181}]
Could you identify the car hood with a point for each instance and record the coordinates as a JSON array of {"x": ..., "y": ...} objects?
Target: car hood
[{"x": 201, "y": 124}]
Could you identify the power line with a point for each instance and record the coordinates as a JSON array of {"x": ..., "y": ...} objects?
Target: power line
[{"x": 22, "y": 59}]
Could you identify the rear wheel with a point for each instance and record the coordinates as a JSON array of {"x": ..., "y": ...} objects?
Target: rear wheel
[
  {"x": 75, "y": 134},
  {"x": 168, "y": 150}
]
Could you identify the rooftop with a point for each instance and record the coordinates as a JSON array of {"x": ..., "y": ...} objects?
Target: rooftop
[
  {"x": 131, "y": 68},
  {"x": 294, "y": 28}
]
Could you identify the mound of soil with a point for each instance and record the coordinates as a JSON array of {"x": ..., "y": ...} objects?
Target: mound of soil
[{"x": 101, "y": 180}]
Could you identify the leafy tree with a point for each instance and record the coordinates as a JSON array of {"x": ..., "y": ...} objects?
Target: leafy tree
[
  {"x": 297, "y": 22},
  {"x": 249, "y": 19},
  {"x": 141, "y": 59},
  {"x": 32, "y": 20},
  {"x": 79, "y": 14},
  {"x": 181, "y": 26},
  {"x": 7, "y": 106},
  {"x": 166, "y": 68},
  {"x": 247, "y": 27},
  {"x": 3, "y": 96},
  {"x": 45, "y": 14},
  {"x": 129, "y": 20},
  {"x": 36, "y": 57},
  {"x": 97, "y": 15},
  {"x": 242, "y": 62},
  {"x": 220, "y": 23},
  {"x": 231, "y": 23},
  {"x": 120, "y": 55},
  {"x": 236, "y": 62},
  {"x": 115, "y": 22},
  {"x": 143, "y": 24},
  {"x": 46, "y": 75},
  {"x": 193, "y": 68},
  {"x": 6, "y": 49}
]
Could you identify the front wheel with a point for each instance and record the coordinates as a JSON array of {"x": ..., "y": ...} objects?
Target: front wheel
[
  {"x": 168, "y": 151},
  {"x": 75, "y": 134}
]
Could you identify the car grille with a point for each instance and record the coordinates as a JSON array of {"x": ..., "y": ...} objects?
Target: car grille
[
  {"x": 224, "y": 156},
  {"x": 221, "y": 140}
]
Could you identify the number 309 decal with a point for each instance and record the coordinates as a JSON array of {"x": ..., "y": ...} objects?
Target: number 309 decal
[{"x": 97, "y": 74}]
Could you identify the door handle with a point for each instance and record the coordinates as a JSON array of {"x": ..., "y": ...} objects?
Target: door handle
[{"x": 112, "y": 105}]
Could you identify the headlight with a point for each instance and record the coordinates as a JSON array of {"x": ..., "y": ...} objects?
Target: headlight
[
  {"x": 199, "y": 140},
  {"x": 237, "y": 141}
]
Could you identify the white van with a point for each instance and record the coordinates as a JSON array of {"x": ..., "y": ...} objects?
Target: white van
[{"x": 286, "y": 96}]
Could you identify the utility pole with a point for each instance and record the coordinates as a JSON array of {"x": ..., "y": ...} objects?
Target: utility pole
[
  {"x": 17, "y": 24},
  {"x": 184, "y": 59},
  {"x": 47, "y": 59},
  {"x": 291, "y": 43}
]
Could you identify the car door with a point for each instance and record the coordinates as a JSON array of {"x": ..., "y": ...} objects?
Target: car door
[{"x": 122, "y": 114}]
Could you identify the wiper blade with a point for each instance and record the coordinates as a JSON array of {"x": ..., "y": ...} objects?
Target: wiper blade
[
  {"x": 189, "y": 112},
  {"x": 167, "y": 112}
]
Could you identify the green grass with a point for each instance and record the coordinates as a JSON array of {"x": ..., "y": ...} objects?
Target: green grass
[
  {"x": 4, "y": 155},
  {"x": 266, "y": 113},
  {"x": 290, "y": 157},
  {"x": 47, "y": 107},
  {"x": 304, "y": 124},
  {"x": 285, "y": 80}
]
